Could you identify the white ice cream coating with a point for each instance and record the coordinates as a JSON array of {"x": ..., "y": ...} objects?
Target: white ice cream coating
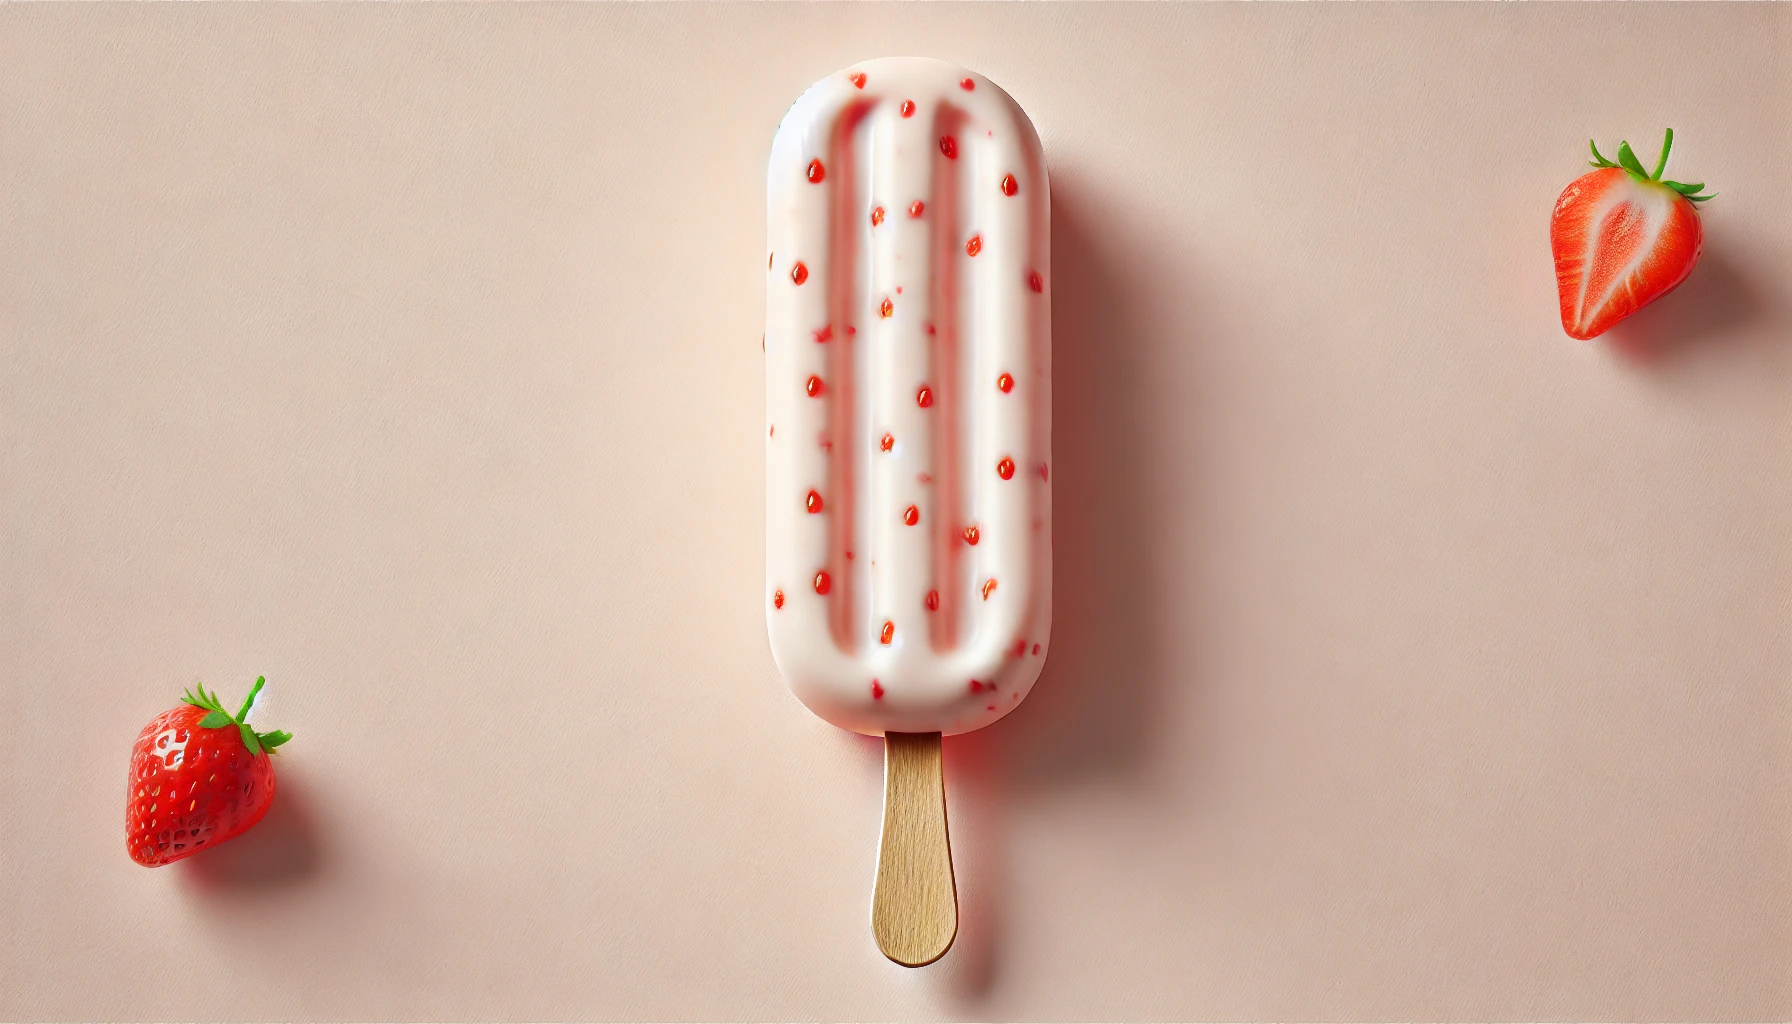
[{"x": 908, "y": 398}]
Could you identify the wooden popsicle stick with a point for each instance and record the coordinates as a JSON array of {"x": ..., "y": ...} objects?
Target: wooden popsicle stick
[{"x": 914, "y": 908}]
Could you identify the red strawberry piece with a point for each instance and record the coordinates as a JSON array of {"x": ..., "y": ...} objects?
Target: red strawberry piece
[
  {"x": 1622, "y": 238},
  {"x": 199, "y": 777}
]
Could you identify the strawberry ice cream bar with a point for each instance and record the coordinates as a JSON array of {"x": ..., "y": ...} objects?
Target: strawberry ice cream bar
[{"x": 908, "y": 384}]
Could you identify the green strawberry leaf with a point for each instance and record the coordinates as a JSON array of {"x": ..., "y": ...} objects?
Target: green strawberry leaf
[
  {"x": 1627, "y": 159},
  {"x": 270, "y": 740},
  {"x": 1667, "y": 143},
  {"x": 250, "y": 741},
  {"x": 1599, "y": 159},
  {"x": 216, "y": 720},
  {"x": 208, "y": 701}
]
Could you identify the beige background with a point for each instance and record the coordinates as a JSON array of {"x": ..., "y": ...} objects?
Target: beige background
[{"x": 1412, "y": 660}]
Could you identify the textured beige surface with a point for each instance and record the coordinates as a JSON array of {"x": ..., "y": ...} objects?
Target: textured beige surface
[{"x": 1411, "y": 660}]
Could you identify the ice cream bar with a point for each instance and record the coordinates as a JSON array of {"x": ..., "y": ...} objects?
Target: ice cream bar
[{"x": 908, "y": 384}]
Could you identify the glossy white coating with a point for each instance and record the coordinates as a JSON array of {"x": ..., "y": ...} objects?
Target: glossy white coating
[{"x": 908, "y": 399}]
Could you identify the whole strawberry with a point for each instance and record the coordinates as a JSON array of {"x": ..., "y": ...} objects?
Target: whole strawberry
[
  {"x": 1622, "y": 239},
  {"x": 199, "y": 776}
]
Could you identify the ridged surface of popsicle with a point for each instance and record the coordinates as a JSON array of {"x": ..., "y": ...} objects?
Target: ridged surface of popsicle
[{"x": 908, "y": 384}]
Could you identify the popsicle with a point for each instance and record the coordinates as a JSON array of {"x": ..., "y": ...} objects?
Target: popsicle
[{"x": 908, "y": 436}]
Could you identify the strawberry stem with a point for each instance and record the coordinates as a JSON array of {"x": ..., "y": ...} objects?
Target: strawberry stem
[
  {"x": 256, "y": 742},
  {"x": 1634, "y": 167},
  {"x": 249, "y": 701},
  {"x": 1667, "y": 143}
]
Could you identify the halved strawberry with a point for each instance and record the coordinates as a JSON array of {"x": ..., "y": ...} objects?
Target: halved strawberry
[{"x": 1622, "y": 239}]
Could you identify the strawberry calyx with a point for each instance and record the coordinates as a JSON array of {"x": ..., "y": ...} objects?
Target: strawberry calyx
[
  {"x": 1634, "y": 167},
  {"x": 222, "y": 719}
]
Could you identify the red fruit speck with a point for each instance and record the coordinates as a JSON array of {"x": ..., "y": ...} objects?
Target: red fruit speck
[
  {"x": 816, "y": 172},
  {"x": 769, "y": 257},
  {"x": 825, "y": 335},
  {"x": 1005, "y": 468},
  {"x": 992, "y": 707},
  {"x": 1034, "y": 281},
  {"x": 877, "y": 692},
  {"x": 888, "y": 633},
  {"x": 813, "y": 386},
  {"x": 949, "y": 146},
  {"x": 989, "y": 587},
  {"x": 813, "y": 502},
  {"x": 877, "y": 216},
  {"x": 925, "y": 478},
  {"x": 924, "y": 398},
  {"x": 773, "y": 432},
  {"x": 930, "y": 329},
  {"x": 967, "y": 85},
  {"x": 974, "y": 246},
  {"x": 976, "y": 687},
  {"x": 916, "y": 208},
  {"x": 908, "y": 108},
  {"x": 1043, "y": 472},
  {"x": 885, "y": 308},
  {"x": 1035, "y": 648},
  {"x": 911, "y": 515},
  {"x": 858, "y": 79},
  {"x": 1005, "y": 383},
  {"x": 822, "y": 582},
  {"x": 1009, "y": 185},
  {"x": 799, "y": 273},
  {"x": 972, "y": 535},
  {"x": 1020, "y": 648},
  {"x": 777, "y": 599},
  {"x": 887, "y": 443},
  {"x": 933, "y": 600}
]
